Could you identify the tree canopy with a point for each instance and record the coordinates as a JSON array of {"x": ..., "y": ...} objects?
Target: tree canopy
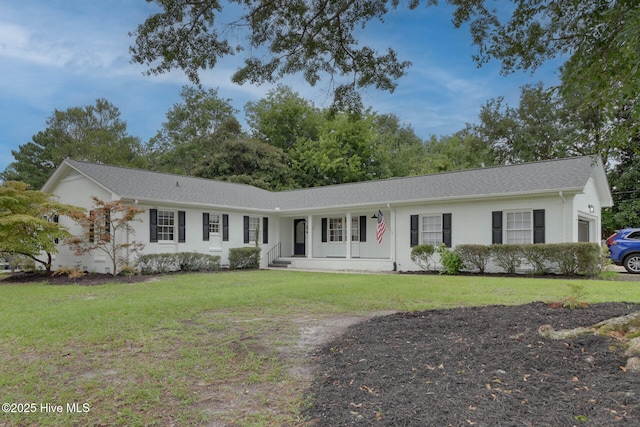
[
  {"x": 322, "y": 39},
  {"x": 28, "y": 222},
  {"x": 92, "y": 133}
]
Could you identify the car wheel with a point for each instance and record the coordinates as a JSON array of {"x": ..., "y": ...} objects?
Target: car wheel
[{"x": 632, "y": 263}]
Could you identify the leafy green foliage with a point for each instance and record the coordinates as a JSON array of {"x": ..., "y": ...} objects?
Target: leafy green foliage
[
  {"x": 247, "y": 161},
  {"x": 181, "y": 261},
  {"x": 192, "y": 130},
  {"x": 27, "y": 222},
  {"x": 474, "y": 256},
  {"x": 422, "y": 256},
  {"x": 315, "y": 39},
  {"x": 242, "y": 258},
  {"x": 93, "y": 133},
  {"x": 450, "y": 260}
]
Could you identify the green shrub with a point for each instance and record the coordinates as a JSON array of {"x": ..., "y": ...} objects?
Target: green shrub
[
  {"x": 194, "y": 261},
  {"x": 474, "y": 256},
  {"x": 181, "y": 261},
  {"x": 157, "y": 263},
  {"x": 241, "y": 258},
  {"x": 450, "y": 260},
  {"x": 575, "y": 258},
  {"x": 536, "y": 256},
  {"x": 422, "y": 255},
  {"x": 507, "y": 257}
]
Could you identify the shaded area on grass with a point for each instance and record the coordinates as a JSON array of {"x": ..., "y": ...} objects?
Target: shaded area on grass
[{"x": 482, "y": 366}]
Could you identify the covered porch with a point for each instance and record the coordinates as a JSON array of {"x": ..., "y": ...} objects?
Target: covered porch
[{"x": 347, "y": 240}]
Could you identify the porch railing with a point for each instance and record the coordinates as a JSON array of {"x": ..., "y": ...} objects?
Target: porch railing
[{"x": 273, "y": 254}]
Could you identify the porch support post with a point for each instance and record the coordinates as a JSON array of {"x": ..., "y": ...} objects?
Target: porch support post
[
  {"x": 348, "y": 235},
  {"x": 309, "y": 231},
  {"x": 392, "y": 239}
]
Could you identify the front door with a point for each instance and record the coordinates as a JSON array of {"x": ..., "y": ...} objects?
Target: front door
[{"x": 299, "y": 237}]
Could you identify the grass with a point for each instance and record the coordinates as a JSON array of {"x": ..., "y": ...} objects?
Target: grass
[{"x": 204, "y": 348}]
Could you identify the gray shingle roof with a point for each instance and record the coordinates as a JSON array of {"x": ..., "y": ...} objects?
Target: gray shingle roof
[{"x": 569, "y": 174}]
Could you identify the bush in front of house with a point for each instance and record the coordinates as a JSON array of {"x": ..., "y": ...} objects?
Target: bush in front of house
[
  {"x": 193, "y": 261},
  {"x": 181, "y": 261},
  {"x": 575, "y": 258},
  {"x": 450, "y": 260},
  {"x": 422, "y": 256},
  {"x": 508, "y": 257},
  {"x": 475, "y": 256},
  {"x": 243, "y": 258}
]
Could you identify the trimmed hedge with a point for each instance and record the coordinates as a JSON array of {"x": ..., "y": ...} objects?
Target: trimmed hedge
[
  {"x": 565, "y": 258},
  {"x": 475, "y": 256},
  {"x": 181, "y": 261},
  {"x": 422, "y": 255},
  {"x": 508, "y": 257},
  {"x": 241, "y": 258}
]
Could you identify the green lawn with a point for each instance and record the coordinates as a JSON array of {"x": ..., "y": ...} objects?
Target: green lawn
[{"x": 207, "y": 348}]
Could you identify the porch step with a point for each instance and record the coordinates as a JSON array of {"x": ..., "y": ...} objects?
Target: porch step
[{"x": 278, "y": 263}]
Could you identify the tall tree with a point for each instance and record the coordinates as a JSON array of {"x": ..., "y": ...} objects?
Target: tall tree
[
  {"x": 28, "y": 222},
  {"x": 462, "y": 150},
  {"x": 342, "y": 153},
  {"x": 315, "y": 38},
  {"x": 92, "y": 133},
  {"x": 185, "y": 137},
  {"x": 283, "y": 117},
  {"x": 532, "y": 131},
  {"x": 319, "y": 38},
  {"x": 248, "y": 161},
  {"x": 397, "y": 150}
]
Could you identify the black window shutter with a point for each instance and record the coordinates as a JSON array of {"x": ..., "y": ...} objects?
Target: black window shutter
[
  {"x": 182, "y": 235},
  {"x": 246, "y": 229},
  {"x": 363, "y": 228},
  {"x": 446, "y": 229},
  {"x": 496, "y": 227},
  {"x": 265, "y": 230},
  {"x": 107, "y": 221},
  {"x": 56, "y": 219},
  {"x": 324, "y": 230},
  {"x": 92, "y": 226},
  {"x": 414, "y": 230},
  {"x": 205, "y": 226},
  {"x": 153, "y": 225},
  {"x": 538, "y": 226},
  {"x": 225, "y": 227}
]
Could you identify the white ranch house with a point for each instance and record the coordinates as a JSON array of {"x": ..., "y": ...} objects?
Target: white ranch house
[{"x": 334, "y": 227}]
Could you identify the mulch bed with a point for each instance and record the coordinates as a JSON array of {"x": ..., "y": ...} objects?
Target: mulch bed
[
  {"x": 483, "y": 366},
  {"x": 89, "y": 279}
]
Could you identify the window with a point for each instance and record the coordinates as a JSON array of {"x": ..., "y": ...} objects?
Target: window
[
  {"x": 214, "y": 224},
  {"x": 254, "y": 226},
  {"x": 432, "y": 230},
  {"x": 519, "y": 227},
  {"x": 355, "y": 229},
  {"x": 100, "y": 226},
  {"x": 336, "y": 229},
  {"x": 166, "y": 225}
]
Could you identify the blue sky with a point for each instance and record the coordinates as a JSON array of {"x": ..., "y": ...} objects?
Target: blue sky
[{"x": 57, "y": 54}]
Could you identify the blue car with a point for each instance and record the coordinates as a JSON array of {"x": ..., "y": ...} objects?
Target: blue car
[{"x": 624, "y": 246}]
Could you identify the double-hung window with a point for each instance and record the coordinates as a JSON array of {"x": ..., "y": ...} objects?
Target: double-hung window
[
  {"x": 214, "y": 224},
  {"x": 254, "y": 226},
  {"x": 336, "y": 229},
  {"x": 432, "y": 230},
  {"x": 166, "y": 225},
  {"x": 519, "y": 227}
]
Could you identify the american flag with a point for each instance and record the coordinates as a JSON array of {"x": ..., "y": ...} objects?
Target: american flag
[{"x": 382, "y": 226}]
